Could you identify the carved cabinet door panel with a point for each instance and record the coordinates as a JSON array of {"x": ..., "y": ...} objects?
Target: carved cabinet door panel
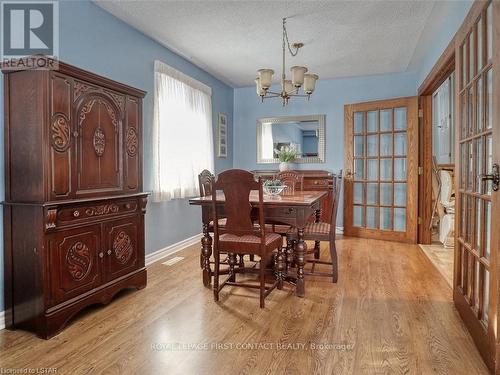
[
  {"x": 60, "y": 137},
  {"x": 75, "y": 261},
  {"x": 98, "y": 146},
  {"x": 123, "y": 242}
]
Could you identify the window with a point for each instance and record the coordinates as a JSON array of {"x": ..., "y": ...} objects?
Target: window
[{"x": 182, "y": 133}]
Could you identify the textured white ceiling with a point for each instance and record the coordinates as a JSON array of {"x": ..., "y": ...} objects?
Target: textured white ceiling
[{"x": 232, "y": 39}]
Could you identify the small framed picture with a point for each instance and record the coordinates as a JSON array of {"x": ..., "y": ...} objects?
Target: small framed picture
[{"x": 222, "y": 135}]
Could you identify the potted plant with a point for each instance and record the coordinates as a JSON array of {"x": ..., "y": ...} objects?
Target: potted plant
[{"x": 286, "y": 155}]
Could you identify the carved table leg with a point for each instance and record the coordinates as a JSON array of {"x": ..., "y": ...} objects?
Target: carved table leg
[
  {"x": 290, "y": 254},
  {"x": 206, "y": 253},
  {"x": 300, "y": 251}
]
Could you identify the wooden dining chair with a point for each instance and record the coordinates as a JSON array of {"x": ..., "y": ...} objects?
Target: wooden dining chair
[
  {"x": 205, "y": 179},
  {"x": 205, "y": 182},
  {"x": 240, "y": 235},
  {"x": 292, "y": 180},
  {"x": 323, "y": 231}
]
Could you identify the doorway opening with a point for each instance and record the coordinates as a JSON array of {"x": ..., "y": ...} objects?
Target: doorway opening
[{"x": 442, "y": 211}]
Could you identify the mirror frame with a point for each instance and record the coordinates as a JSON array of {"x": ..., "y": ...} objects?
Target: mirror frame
[{"x": 285, "y": 119}]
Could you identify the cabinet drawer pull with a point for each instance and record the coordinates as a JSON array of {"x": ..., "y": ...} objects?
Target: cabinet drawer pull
[
  {"x": 101, "y": 255},
  {"x": 76, "y": 213},
  {"x": 109, "y": 252}
]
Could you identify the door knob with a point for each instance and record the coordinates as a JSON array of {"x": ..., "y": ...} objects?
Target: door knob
[
  {"x": 101, "y": 255},
  {"x": 494, "y": 177}
]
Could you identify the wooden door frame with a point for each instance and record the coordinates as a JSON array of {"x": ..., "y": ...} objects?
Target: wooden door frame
[
  {"x": 410, "y": 236},
  {"x": 443, "y": 68}
]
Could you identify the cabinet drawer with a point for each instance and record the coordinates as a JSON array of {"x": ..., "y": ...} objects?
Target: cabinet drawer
[
  {"x": 290, "y": 215},
  {"x": 280, "y": 212},
  {"x": 317, "y": 183},
  {"x": 90, "y": 211}
]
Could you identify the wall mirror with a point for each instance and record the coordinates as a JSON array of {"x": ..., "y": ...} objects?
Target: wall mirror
[{"x": 304, "y": 133}]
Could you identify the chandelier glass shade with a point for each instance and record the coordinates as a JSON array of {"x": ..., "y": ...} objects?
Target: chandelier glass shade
[{"x": 289, "y": 87}]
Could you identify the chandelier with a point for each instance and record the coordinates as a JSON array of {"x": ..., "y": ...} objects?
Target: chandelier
[{"x": 289, "y": 87}]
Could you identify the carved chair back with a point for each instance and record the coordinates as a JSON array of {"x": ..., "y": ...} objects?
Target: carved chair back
[
  {"x": 337, "y": 187},
  {"x": 236, "y": 184},
  {"x": 205, "y": 182},
  {"x": 293, "y": 181}
]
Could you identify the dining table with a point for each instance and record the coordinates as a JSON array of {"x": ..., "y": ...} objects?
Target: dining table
[{"x": 294, "y": 209}]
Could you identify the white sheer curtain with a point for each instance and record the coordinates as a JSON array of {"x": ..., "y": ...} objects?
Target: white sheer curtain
[
  {"x": 267, "y": 141},
  {"x": 182, "y": 133}
]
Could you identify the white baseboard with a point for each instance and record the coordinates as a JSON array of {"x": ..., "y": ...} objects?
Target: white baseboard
[
  {"x": 169, "y": 250},
  {"x": 2, "y": 319}
]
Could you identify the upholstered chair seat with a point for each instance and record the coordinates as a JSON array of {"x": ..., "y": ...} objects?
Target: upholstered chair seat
[
  {"x": 315, "y": 229},
  {"x": 230, "y": 242}
]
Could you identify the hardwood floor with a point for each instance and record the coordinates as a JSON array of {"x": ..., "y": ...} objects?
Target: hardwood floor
[
  {"x": 442, "y": 258},
  {"x": 391, "y": 312}
]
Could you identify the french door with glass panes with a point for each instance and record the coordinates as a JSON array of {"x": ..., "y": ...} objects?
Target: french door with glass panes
[
  {"x": 381, "y": 171},
  {"x": 477, "y": 220}
]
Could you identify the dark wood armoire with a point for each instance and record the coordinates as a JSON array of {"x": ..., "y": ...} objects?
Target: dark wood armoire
[{"x": 74, "y": 206}]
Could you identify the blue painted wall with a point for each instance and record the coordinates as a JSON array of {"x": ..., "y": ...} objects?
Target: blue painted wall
[
  {"x": 444, "y": 21},
  {"x": 328, "y": 99},
  {"x": 93, "y": 39}
]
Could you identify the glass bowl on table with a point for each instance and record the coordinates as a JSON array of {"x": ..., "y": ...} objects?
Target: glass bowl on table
[{"x": 273, "y": 188}]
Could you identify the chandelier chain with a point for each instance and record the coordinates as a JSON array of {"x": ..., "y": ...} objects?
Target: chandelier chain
[{"x": 285, "y": 34}]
